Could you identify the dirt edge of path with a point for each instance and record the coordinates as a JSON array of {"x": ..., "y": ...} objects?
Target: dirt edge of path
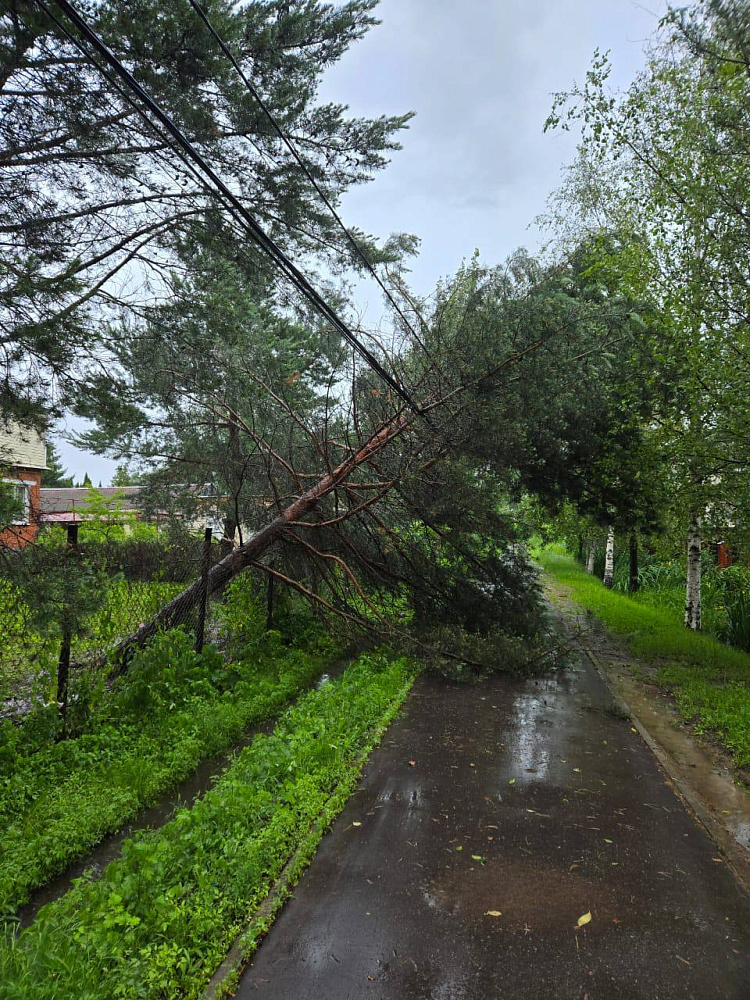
[
  {"x": 702, "y": 775},
  {"x": 707, "y": 808}
]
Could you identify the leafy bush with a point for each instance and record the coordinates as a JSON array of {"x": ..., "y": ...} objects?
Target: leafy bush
[
  {"x": 173, "y": 708},
  {"x": 161, "y": 918}
]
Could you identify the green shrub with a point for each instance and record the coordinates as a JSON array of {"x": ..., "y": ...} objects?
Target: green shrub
[{"x": 161, "y": 918}]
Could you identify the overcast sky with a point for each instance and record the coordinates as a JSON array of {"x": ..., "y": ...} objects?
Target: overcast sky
[{"x": 476, "y": 167}]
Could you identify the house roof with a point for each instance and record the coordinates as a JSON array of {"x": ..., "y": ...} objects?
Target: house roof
[
  {"x": 62, "y": 500},
  {"x": 59, "y": 503}
]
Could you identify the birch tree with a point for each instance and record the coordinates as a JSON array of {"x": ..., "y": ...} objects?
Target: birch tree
[
  {"x": 667, "y": 162},
  {"x": 609, "y": 558},
  {"x": 591, "y": 557},
  {"x": 693, "y": 586}
]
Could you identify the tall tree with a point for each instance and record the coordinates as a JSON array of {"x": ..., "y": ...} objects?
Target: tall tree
[
  {"x": 96, "y": 202},
  {"x": 55, "y": 474}
]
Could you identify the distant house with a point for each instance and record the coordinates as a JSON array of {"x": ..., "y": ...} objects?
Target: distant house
[
  {"x": 23, "y": 458},
  {"x": 71, "y": 505},
  {"x": 68, "y": 505}
]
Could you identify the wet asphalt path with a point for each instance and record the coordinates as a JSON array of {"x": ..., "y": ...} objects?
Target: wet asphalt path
[{"x": 568, "y": 813}]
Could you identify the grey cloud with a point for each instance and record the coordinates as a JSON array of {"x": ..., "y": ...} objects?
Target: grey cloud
[{"x": 476, "y": 168}]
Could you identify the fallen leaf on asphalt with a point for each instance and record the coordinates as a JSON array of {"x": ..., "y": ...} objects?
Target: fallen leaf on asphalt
[
  {"x": 412, "y": 763},
  {"x": 577, "y": 770},
  {"x": 633, "y": 729},
  {"x": 718, "y": 860},
  {"x": 585, "y": 919},
  {"x": 493, "y": 913},
  {"x": 606, "y": 841},
  {"x": 512, "y": 781},
  {"x": 616, "y": 920},
  {"x": 356, "y": 823}
]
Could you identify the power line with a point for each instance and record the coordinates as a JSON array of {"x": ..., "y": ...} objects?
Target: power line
[
  {"x": 112, "y": 80},
  {"x": 265, "y": 242},
  {"x": 306, "y": 170}
]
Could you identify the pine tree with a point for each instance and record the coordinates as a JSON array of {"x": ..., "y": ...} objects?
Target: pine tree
[
  {"x": 82, "y": 170},
  {"x": 55, "y": 475},
  {"x": 124, "y": 477}
]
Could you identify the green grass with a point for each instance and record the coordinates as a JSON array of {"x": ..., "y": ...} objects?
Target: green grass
[
  {"x": 160, "y": 919},
  {"x": 709, "y": 680},
  {"x": 59, "y": 799}
]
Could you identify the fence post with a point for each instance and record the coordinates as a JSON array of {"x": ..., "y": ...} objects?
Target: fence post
[
  {"x": 63, "y": 663},
  {"x": 200, "y": 628}
]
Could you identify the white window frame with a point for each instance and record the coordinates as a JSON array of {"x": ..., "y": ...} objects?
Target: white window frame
[{"x": 27, "y": 484}]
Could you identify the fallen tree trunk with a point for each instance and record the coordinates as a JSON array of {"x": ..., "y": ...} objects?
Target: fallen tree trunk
[{"x": 176, "y": 611}]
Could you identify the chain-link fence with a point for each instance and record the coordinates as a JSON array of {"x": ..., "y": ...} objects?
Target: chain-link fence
[{"x": 65, "y": 606}]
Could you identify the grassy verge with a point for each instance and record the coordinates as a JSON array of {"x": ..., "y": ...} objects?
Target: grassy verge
[
  {"x": 710, "y": 681},
  {"x": 175, "y": 709},
  {"x": 161, "y": 918}
]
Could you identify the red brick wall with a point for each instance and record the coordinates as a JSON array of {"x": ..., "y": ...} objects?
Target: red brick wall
[{"x": 18, "y": 535}]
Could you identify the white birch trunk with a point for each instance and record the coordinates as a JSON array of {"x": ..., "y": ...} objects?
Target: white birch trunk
[
  {"x": 693, "y": 589},
  {"x": 592, "y": 556},
  {"x": 609, "y": 559}
]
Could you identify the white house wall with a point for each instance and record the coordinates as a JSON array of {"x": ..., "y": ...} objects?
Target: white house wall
[{"x": 21, "y": 447}]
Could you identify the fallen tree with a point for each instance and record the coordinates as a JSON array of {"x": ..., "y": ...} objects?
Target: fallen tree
[{"x": 248, "y": 553}]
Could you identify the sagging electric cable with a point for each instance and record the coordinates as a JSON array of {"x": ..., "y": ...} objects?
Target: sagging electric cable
[
  {"x": 260, "y": 237},
  {"x": 308, "y": 173}
]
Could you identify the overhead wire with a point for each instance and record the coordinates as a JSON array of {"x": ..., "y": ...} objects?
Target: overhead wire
[
  {"x": 257, "y": 233},
  {"x": 308, "y": 173},
  {"x": 114, "y": 83}
]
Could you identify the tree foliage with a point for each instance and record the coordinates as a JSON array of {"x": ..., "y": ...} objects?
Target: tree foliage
[{"x": 96, "y": 203}]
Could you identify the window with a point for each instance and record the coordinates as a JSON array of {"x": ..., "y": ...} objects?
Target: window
[{"x": 21, "y": 496}]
